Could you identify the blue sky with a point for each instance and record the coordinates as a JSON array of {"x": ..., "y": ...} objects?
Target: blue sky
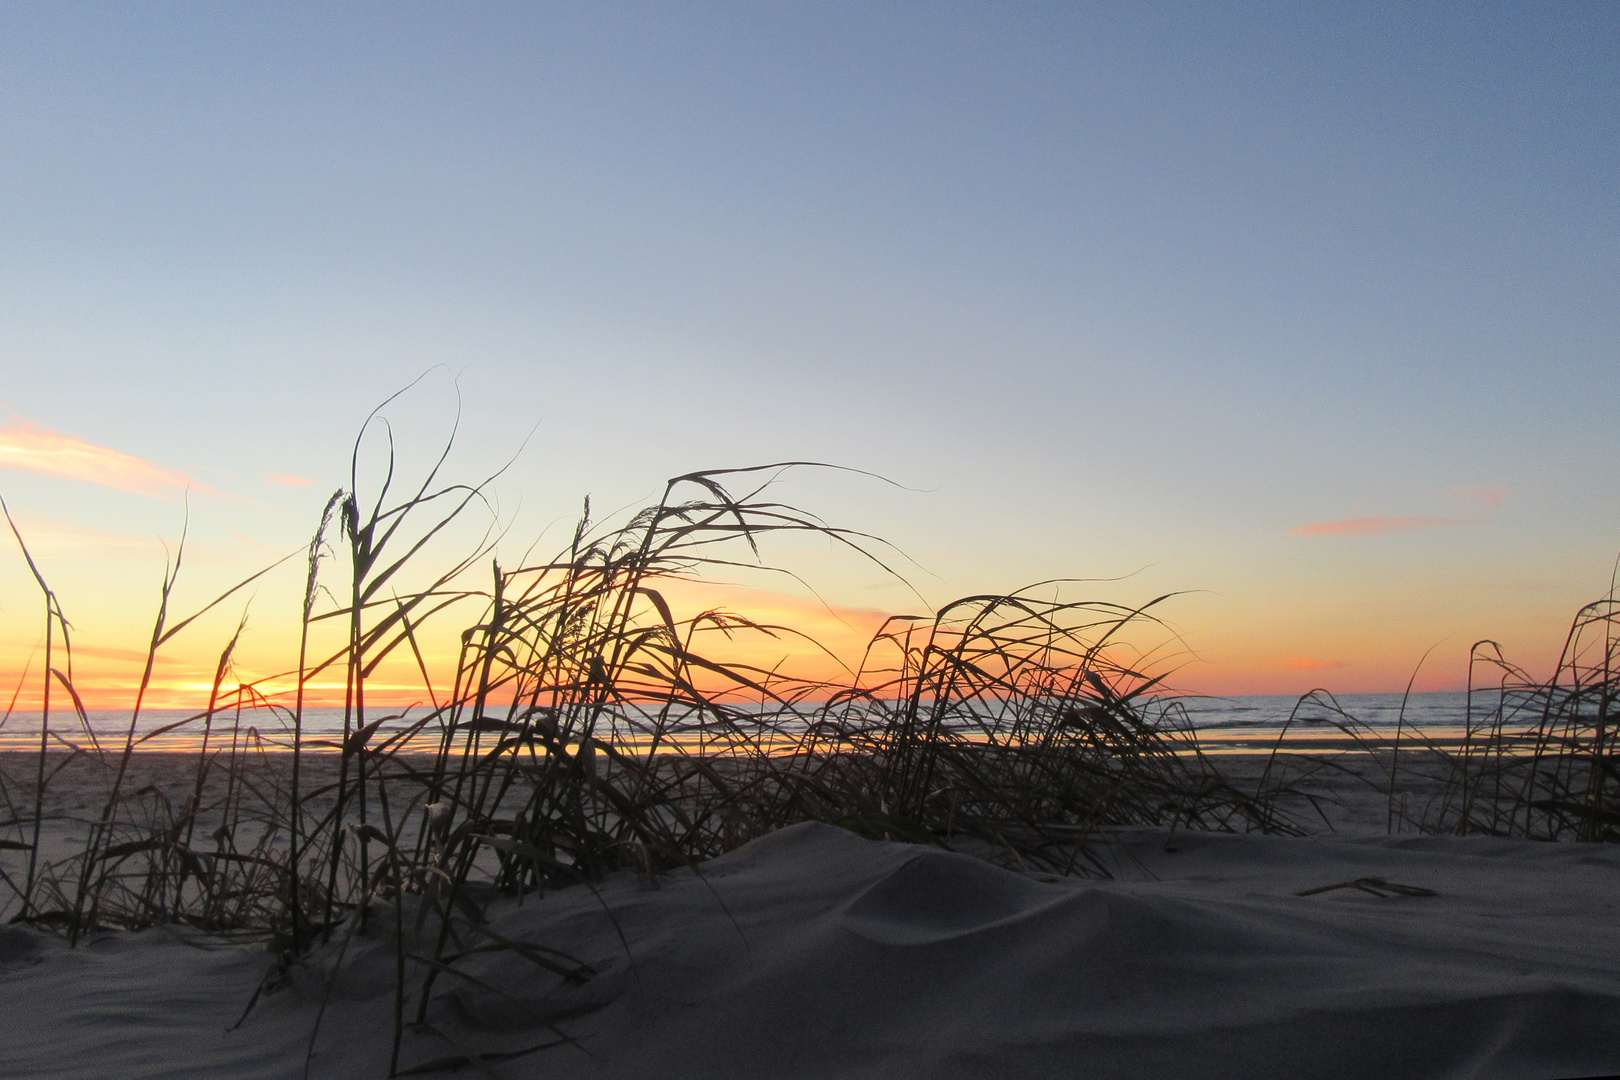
[{"x": 1106, "y": 288}]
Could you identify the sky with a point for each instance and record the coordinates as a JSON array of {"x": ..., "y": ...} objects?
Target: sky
[{"x": 1306, "y": 313}]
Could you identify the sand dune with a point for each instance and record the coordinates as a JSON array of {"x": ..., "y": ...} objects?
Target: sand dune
[{"x": 815, "y": 953}]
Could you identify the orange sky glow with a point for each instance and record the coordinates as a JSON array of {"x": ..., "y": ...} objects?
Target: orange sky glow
[
  {"x": 1264, "y": 646},
  {"x": 810, "y": 641},
  {"x": 829, "y": 643}
]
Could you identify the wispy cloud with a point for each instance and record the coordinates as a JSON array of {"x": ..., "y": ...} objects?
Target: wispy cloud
[
  {"x": 32, "y": 448},
  {"x": 132, "y": 656},
  {"x": 1492, "y": 497},
  {"x": 1373, "y": 526},
  {"x": 61, "y": 539},
  {"x": 284, "y": 479},
  {"x": 1306, "y": 663}
]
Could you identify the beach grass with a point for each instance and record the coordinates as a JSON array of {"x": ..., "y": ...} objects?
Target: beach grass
[{"x": 587, "y": 728}]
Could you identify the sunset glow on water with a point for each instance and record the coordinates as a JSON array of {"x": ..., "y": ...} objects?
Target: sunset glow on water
[{"x": 1245, "y": 724}]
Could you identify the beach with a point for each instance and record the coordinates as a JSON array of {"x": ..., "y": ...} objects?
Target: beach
[{"x": 814, "y": 952}]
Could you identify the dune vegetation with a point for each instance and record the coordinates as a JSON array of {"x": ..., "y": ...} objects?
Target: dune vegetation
[{"x": 587, "y": 728}]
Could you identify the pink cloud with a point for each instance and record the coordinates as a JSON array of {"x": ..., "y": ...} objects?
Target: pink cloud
[
  {"x": 1372, "y": 526},
  {"x": 284, "y": 479},
  {"x": 1305, "y": 663},
  {"x": 32, "y": 448},
  {"x": 1490, "y": 496}
]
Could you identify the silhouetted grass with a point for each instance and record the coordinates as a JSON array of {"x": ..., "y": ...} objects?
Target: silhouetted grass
[
  {"x": 1540, "y": 756},
  {"x": 587, "y": 727}
]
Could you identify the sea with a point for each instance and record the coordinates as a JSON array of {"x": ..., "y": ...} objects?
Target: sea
[{"x": 1240, "y": 724}]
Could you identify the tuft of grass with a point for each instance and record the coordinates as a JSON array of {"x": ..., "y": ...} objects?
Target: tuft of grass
[
  {"x": 588, "y": 726},
  {"x": 1537, "y": 758},
  {"x": 1540, "y": 757}
]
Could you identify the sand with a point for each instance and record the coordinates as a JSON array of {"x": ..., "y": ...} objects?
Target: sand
[{"x": 815, "y": 953}]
